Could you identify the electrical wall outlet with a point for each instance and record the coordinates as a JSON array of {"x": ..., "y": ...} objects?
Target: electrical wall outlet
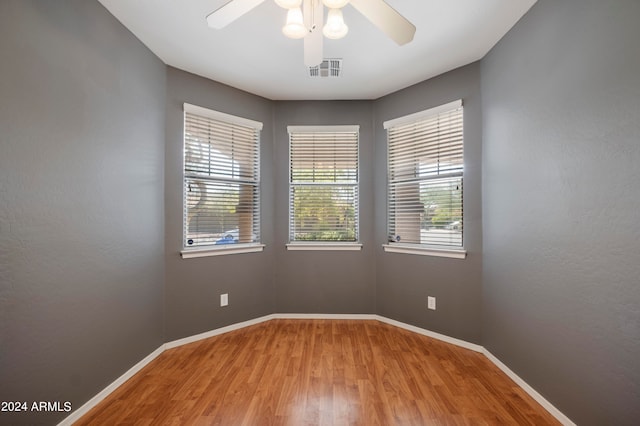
[
  {"x": 224, "y": 299},
  {"x": 431, "y": 303}
]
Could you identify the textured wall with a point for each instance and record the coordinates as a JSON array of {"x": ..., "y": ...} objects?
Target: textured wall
[
  {"x": 89, "y": 119},
  {"x": 194, "y": 285},
  {"x": 324, "y": 281},
  {"x": 404, "y": 281},
  {"x": 81, "y": 203},
  {"x": 561, "y": 120}
]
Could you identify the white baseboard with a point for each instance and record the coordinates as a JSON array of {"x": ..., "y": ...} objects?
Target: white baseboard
[
  {"x": 87, "y": 406},
  {"x": 77, "y": 414},
  {"x": 238, "y": 326},
  {"x": 217, "y": 331},
  {"x": 327, "y": 316},
  {"x": 432, "y": 334},
  {"x": 528, "y": 389}
]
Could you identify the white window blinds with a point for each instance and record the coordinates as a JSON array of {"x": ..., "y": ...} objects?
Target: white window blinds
[
  {"x": 425, "y": 177},
  {"x": 323, "y": 191},
  {"x": 221, "y": 178}
]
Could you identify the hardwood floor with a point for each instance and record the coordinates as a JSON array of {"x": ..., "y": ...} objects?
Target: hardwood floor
[{"x": 319, "y": 372}]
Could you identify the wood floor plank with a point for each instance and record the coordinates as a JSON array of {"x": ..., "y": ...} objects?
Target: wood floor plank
[{"x": 319, "y": 372}]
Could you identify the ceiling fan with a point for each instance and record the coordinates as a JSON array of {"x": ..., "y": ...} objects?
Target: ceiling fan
[{"x": 308, "y": 22}]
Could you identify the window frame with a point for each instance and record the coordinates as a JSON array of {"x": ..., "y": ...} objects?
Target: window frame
[
  {"x": 449, "y": 251},
  {"x": 324, "y": 245},
  {"x": 213, "y": 249}
]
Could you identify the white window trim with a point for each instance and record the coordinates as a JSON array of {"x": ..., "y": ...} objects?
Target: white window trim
[
  {"x": 322, "y": 245},
  {"x": 425, "y": 251},
  {"x": 212, "y": 250},
  {"x": 221, "y": 251},
  {"x": 416, "y": 249},
  {"x": 319, "y": 246},
  {"x": 355, "y": 128},
  {"x": 221, "y": 116},
  {"x": 422, "y": 115}
]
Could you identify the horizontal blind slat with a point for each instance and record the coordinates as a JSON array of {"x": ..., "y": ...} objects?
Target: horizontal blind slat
[
  {"x": 323, "y": 202},
  {"x": 425, "y": 172},
  {"x": 221, "y": 182}
]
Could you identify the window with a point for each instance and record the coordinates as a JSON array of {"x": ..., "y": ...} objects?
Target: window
[
  {"x": 221, "y": 181},
  {"x": 323, "y": 184},
  {"x": 425, "y": 179}
]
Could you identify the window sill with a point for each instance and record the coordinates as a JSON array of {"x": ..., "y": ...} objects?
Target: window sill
[
  {"x": 425, "y": 251},
  {"x": 325, "y": 246},
  {"x": 221, "y": 251}
]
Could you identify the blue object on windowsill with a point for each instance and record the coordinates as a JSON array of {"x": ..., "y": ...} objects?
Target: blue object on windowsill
[{"x": 227, "y": 239}]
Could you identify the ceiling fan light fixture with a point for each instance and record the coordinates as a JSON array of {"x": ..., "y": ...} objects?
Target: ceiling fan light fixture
[
  {"x": 335, "y": 4},
  {"x": 289, "y": 4},
  {"x": 295, "y": 28},
  {"x": 335, "y": 28}
]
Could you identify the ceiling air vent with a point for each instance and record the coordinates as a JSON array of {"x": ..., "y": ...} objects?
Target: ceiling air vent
[{"x": 328, "y": 68}]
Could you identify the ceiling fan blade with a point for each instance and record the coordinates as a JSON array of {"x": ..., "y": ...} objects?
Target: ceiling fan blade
[
  {"x": 314, "y": 20},
  {"x": 231, "y": 11},
  {"x": 383, "y": 16}
]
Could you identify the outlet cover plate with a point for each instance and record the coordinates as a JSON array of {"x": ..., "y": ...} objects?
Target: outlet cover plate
[{"x": 431, "y": 303}]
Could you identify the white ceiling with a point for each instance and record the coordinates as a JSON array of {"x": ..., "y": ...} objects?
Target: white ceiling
[{"x": 252, "y": 54}]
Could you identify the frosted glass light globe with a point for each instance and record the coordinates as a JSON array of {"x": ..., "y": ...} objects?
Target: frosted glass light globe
[
  {"x": 335, "y": 27},
  {"x": 295, "y": 28}
]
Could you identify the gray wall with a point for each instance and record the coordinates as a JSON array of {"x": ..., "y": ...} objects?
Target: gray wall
[
  {"x": 324, "y": 281},
  {"x": 91, "y": 135},
  {"x": 561, "y": 119},
  {"x": 285, "y": 281},
  {"x": 404, "y": 281},
  {"x": 81, "y": 203},
  {"x": 194, "y": 285}
]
